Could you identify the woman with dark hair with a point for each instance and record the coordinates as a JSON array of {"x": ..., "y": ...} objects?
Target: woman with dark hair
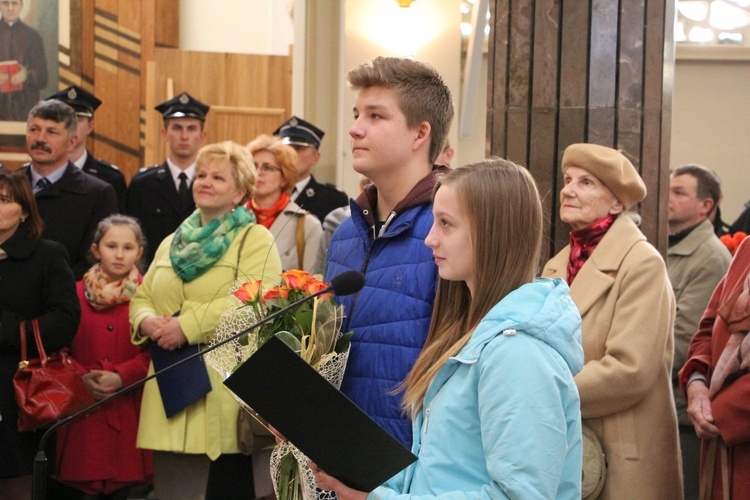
[
  {"x": 494, "y": 406},
  {"x": 35, "y": 283},
  {"x": 619, "y": 283},
  {"x": 296, "y": 232}
]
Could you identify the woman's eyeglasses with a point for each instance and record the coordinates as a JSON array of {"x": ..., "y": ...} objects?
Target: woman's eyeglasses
[{"x": 267, "y": 169}]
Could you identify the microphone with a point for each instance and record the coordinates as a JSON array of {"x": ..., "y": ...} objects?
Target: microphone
[{"x": 346, "y": 283}]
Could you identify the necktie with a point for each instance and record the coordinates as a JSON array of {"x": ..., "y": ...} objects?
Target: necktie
[
  {"x": 183, "y": 190},
  {"x": 42, "y": 183}
]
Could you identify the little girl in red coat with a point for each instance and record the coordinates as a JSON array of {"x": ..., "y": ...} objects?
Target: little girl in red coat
[{"x": 97, "y": 454}]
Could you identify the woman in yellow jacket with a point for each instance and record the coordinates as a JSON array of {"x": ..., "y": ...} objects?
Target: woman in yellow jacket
[{"x": 182, "y": 296}]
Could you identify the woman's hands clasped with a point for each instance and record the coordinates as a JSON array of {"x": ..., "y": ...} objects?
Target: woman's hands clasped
[{"x": 165, "y": 331}]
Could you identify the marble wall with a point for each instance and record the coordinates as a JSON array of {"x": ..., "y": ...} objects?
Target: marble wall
[{"x": 598, "y": 71}]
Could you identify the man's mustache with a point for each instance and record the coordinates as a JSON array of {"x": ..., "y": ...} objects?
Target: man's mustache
[{"x": 41, "y": 145}]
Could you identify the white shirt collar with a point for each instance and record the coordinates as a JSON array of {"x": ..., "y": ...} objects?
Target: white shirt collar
[
  {"x": 300, "y": 186},
  {"x": 82, "y": 160},
  {"x": 53, "y": 177},
  {"x": 176, "y": 171}
]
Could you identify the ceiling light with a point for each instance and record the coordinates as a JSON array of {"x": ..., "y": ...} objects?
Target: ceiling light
[
  {"x": 700, "y": 35},
  {"x": 693, "y": 9},
  {"x": 679, "y": 32},
  {"x": 725, "y": 16}
]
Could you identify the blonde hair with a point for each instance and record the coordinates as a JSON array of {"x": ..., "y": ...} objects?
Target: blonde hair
[
  {"x": 502, "y": 204},
  {"x": 243, "y": 169},
  {"x": 284, "y": 155},
  {"x": 422, "y": 94}
]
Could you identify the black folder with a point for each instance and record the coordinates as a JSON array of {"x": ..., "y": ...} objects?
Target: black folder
[
  {"x": 317, "y": 418},
  {"x": 184, "y": 385}
]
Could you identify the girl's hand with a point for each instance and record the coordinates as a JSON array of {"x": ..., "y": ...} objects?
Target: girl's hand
[
  {"x": 170, "y": 335},
  {"x": 326, "y": 482},
  {"x": 102, "y": 383}
]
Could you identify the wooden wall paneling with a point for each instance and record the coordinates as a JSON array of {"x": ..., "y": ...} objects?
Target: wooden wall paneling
[
  {"x": 117, "y": 77},
  {"x": 241, "y": 124},
  {"x": 166, "y": 31},
  {"x": 238, "y": 87},
  {"x": 497, "y": 83}
]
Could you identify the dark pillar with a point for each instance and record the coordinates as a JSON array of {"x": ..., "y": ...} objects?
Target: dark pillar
[{"x": 598, "y": 71}]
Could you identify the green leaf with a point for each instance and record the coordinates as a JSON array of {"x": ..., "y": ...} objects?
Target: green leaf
[
  {"x": 290, "y": 340},
  {"x": 342, "y": 344}
]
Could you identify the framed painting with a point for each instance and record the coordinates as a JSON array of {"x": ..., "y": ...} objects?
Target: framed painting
[{"x": 28, "y": 66}]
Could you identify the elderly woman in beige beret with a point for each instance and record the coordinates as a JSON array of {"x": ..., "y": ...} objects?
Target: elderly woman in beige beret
[{"x": 620, "y": 285}]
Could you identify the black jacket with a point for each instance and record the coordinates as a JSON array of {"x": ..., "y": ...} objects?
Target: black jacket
[
  {"x": 71, "y": 208},
  {"x": 35, "y": 282},
  {"x": 320, "y": 199},
  {"x": 153, "y": 199},
  {"x": 109, "y": 174}
]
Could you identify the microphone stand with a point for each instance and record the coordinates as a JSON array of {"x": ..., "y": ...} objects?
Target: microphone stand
[{"x": 39, "y": 486}]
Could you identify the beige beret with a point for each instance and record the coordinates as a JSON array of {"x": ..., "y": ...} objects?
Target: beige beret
[{"x": 609, "y": 166}]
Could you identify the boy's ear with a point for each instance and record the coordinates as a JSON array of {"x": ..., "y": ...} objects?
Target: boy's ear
[{"x": 424, "y": 135}]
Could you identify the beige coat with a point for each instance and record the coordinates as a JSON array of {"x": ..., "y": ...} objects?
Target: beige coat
[
  {"x": 695, "y": 266},
  {"x": 628, "y": 309},
  {"x": 284, "y": 230}
]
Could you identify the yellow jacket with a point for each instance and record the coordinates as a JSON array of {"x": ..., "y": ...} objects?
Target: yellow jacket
[{"x": 210, "y": 425}]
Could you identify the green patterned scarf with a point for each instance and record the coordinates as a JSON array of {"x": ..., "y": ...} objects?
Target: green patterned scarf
[{"x": 195, "y": 248}]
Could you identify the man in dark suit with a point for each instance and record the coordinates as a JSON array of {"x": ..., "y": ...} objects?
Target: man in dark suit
[
  {"x": 315, "y": 197},
  {"x": 84, "y": 104},
  {"x": 71, "y": 202},
  {"x": 161, "y": 197}
]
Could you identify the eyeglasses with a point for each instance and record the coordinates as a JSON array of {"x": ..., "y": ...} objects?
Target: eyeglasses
[{"x": 267, "y": 169}]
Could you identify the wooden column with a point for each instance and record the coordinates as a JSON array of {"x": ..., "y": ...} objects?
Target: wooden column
[{"x": 598, "y": 71}]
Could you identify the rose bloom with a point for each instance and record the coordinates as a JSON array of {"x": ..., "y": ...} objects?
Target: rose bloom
[
  {"x": 276, "y": 293},
  {"x": 296, "y": 279},
  {"x": 248, "y": 292}
]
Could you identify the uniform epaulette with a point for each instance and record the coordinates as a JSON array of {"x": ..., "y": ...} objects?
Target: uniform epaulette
[
  {"x": 145, "y": 169},
  {"x": 107, "y": 164}
]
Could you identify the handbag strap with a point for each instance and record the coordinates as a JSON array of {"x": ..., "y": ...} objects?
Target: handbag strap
[
  {"x": 715, "y": 447},
  {"x": 300, "y": 238},
  {"x": 239, "y": 251},
  {"x": 37, "y": 338}
]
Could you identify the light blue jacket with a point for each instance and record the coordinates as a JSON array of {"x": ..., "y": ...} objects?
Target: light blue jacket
[{"x": 502, "y": 419}]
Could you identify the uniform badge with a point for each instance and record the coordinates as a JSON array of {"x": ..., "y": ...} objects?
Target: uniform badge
[
  {"x": 293, "y": 122},
  {"x": 309, "y": 192},
  {"x": 72, "y": 94},
  {"x": 184, "y": 99}
]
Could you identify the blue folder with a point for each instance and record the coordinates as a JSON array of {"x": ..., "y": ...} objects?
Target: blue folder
[{"x": 184, "y": 385}]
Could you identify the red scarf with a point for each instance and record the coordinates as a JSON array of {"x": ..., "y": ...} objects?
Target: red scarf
[
  {"x": 267, "y": 216},
  {"x": 584, "y": 241}
]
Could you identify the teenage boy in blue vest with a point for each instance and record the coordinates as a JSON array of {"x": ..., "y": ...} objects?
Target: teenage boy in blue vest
[{"x": 402, "y": 114}]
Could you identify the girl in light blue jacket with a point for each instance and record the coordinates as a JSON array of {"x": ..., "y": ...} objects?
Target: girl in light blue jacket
[{"x": 495, "y": 410}]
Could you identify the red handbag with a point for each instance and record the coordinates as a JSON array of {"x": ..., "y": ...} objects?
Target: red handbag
[{"x": 48, "y": 388}]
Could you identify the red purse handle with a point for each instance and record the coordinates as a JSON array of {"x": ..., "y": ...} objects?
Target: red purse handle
[{"x": 37, "y": 338}]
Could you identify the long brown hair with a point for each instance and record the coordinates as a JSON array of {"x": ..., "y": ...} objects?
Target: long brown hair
[
  {"x": 18, "y": 188},
  {"x": 501, "y": 202}
]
